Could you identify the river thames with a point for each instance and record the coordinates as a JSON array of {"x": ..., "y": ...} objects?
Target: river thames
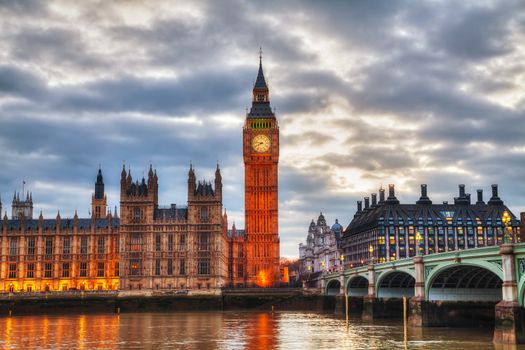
[{"x": 227, "y": 330}]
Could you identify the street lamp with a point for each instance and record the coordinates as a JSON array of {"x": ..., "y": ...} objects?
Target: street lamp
[
  {"x": 342, "y": 258},
  {"x": 322, "y": 265},
  {"x": 371, "y": 252},
  {"x": 505, "y": 219},
  {"x": 418, "y": 243}
]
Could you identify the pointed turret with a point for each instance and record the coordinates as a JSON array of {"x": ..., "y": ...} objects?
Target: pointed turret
[
  {"x": 218, "y": 183},
  {"x": 98, "y": 200},
  {"x": 261, "y": 96},
  {"x": 192, "y": 182},
  {"x": 99, "y": 185}
]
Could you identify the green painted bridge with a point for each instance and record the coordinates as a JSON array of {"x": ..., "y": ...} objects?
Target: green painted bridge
[{"x": 489, "y": 274}]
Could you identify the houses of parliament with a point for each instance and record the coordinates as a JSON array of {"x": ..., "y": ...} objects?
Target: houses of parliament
[{"x": 148, "y": 247}]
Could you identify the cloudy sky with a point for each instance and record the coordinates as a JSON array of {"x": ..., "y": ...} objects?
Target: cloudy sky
[{"x": 367, "y": 93}]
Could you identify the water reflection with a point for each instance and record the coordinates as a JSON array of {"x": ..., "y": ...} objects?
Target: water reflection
[{"x": 228, "y": 330}]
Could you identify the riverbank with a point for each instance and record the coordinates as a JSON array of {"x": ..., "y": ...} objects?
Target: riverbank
[{"x": 115, "y": 302}]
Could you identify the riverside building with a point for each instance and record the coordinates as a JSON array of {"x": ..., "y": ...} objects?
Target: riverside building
[
  {"x": 387, "y": 230},
  {"x": 322, "y": 251},
  {"x": 150, "y": 247}
]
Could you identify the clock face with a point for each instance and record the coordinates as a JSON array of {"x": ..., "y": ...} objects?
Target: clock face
[{"x": 261, "y": 143}]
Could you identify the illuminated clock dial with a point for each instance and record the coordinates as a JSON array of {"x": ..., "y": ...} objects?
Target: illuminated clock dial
[{"x": 261, "y": 143}]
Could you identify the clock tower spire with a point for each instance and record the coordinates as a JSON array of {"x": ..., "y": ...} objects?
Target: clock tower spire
[{"x": 261, "y": 158}]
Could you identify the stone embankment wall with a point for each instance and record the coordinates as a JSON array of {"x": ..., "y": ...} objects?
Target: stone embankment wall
[{"x": 77, "y": 303}]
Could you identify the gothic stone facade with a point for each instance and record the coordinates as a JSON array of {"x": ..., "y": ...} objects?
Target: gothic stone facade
[
  {"x": 165, "y": 248},
  {"x": 38, "y": 255}
]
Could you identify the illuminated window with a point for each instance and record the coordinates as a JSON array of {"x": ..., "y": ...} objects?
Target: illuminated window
[
  {"x": 65, "y": 270},
  {"x": 48, "y": 270},
  {"x": 83, "y": 269},
  {"x": 135, "y": 242},
  {"x": 12, "y": 270},
  {"x": 30, "y": 273},
  {"x": 135, "y": 267},
  {"x": 100, "y": 269}
]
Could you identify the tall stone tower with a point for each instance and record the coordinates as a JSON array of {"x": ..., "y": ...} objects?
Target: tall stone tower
[
  {"x": 261, "y": 158},
  {"x": 22, "y": 208},
  {"x": 98, "y": 200}
]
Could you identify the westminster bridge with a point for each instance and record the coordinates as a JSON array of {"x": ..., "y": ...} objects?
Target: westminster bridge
[{"x": 489, "y": 277}]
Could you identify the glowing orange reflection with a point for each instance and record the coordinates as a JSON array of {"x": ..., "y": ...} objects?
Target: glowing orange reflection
[{"x": 263, "y": 279}]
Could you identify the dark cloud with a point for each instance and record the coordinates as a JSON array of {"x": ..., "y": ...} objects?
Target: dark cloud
[{"x": 365, "y": 92}]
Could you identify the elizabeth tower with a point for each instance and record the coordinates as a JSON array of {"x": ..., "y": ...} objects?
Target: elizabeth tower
[{"x": 261, "y": 158}]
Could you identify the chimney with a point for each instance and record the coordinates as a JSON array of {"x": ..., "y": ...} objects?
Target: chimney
[
  {"x": 424, "y": 197},
  {"x": 468, "y": 198},
  {"x": 462, "y": 198},
  {"x": 359, "y": 209},
  {"x": 367, "y": 203},
  {"x": 374, "y": 200},
  {"x": 381, "y": 195},
  {"x": 480, "y": 197},
  {"x": 461, "y": 191},
  {"x": 392, "y": 195},
  {"x": 495, "y": 200}
]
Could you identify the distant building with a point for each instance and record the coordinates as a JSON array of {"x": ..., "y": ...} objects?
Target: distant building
[
  {"x": 21, "y": 207},
  {"x": 387, "y": 230},
  {"x": 322, "y": 251}
]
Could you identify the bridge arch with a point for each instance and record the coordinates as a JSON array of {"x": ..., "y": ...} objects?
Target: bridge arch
[
  {"x": 470, "y": 281},
  {"x": 395, "y": 283},
  {"x": 357, "y": 286},
  {"x": 333, "y": 287}
]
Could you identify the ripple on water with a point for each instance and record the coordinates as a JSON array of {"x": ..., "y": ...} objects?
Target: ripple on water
[{"x": 227, "y": 330}]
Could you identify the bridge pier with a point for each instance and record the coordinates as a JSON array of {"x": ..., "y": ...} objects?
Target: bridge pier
[
  {"x": 417, "y": 303},
  {"x": 369, "y": 300},
  {"x": 510, "y": 325}
]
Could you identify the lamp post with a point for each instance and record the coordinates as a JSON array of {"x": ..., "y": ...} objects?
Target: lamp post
[
  {"x": 371, "y": 254},
  {"x": 342, "y": 258},
  {"x": 418, "y": 243},
  {"x": 505, "y": 219}
]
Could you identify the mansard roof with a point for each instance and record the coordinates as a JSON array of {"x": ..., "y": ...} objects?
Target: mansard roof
[
  {"x": 261, "y": 110},
  {"x": 65, "y": 224},
  {"x": 428, "y": 214},
  {"x": 171, "y": 213},
  {"x": 238, "y": 233}
]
